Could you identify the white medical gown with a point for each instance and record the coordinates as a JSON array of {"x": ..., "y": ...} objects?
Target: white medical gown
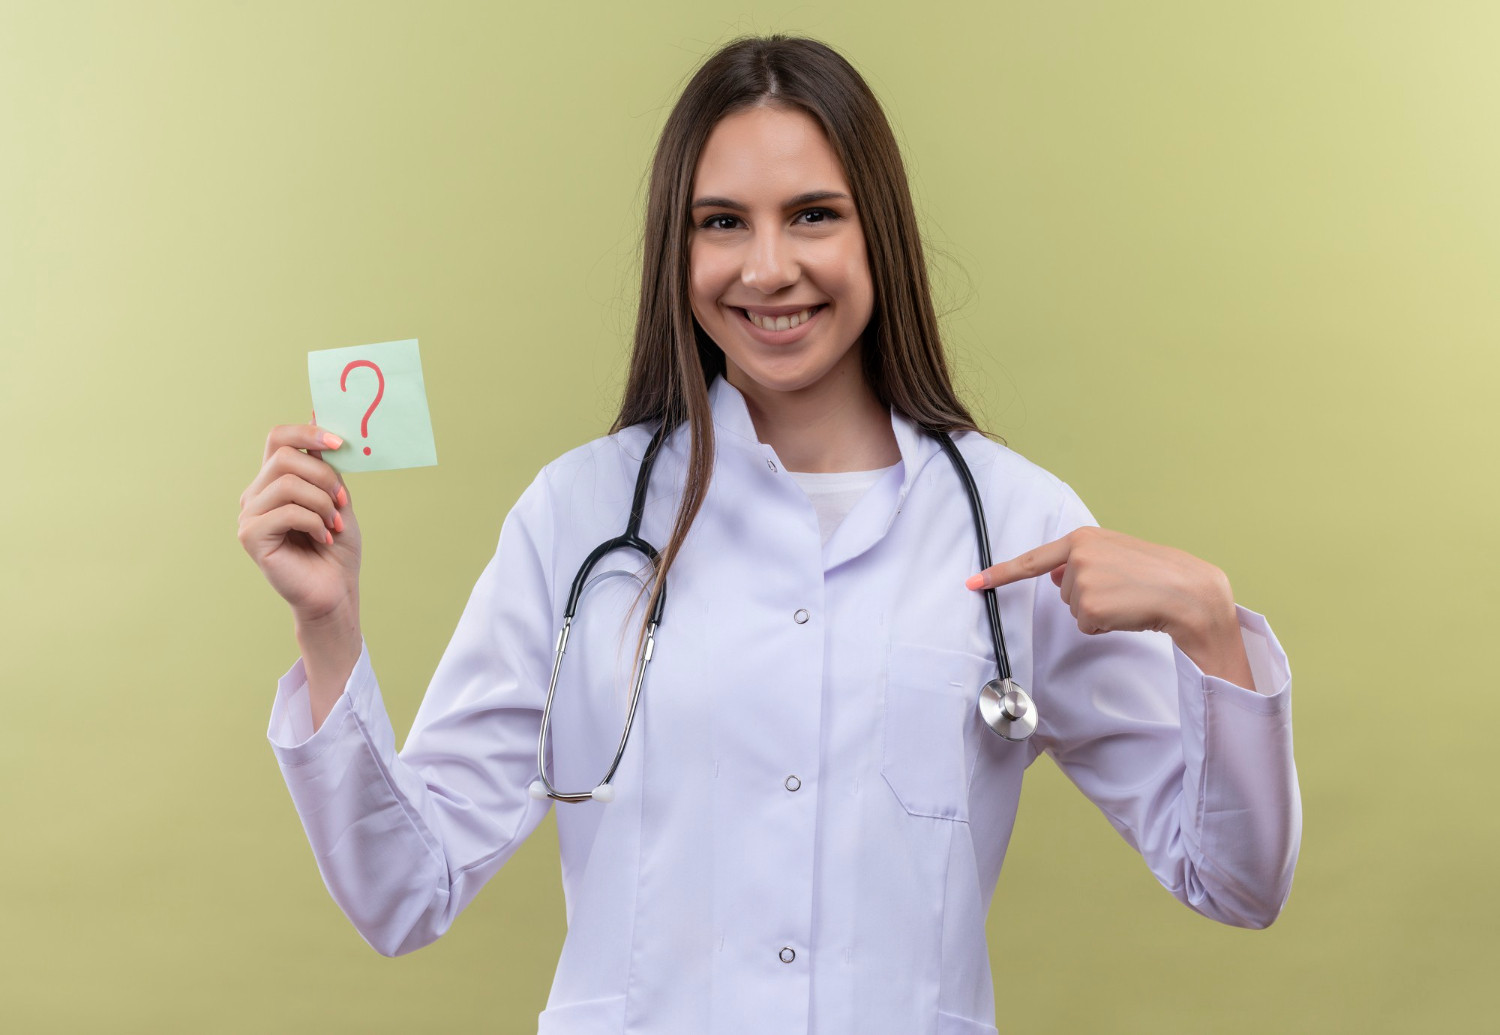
[{"x": 811, "y": 816}]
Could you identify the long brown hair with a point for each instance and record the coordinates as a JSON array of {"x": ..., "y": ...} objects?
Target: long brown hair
[{"x": 674, "y": 361}]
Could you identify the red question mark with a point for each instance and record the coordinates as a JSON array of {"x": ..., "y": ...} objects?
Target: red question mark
[{"x": 364, "y": 425}]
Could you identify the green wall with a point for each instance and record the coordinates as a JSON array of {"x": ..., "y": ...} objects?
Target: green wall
[{"x": 1229, "y": 269}]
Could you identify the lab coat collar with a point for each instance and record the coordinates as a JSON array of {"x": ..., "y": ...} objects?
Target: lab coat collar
[{"x": 871, "y": 518}]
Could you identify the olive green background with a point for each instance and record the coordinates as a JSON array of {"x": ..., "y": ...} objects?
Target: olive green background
[{"x": 1228, "y": 269}]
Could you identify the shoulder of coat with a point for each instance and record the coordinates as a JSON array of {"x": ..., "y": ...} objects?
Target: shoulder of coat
[
  {"x": 609, "y": 458},
  {"x": 1000, "y": 465}
]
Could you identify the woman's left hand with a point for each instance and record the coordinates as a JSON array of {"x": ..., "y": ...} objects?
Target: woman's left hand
[{"x": 1116, "y": 582}]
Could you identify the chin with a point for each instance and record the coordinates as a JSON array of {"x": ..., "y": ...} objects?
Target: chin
[{"x": 789, "y": 378}]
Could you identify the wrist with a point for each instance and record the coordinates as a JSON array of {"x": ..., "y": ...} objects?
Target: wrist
[
  {"x": 1206, "y": 613},
  {"x": 330, "y": 646},
  {"x": 333, "y": 635},
  {"x": 1209, "y": 634}
]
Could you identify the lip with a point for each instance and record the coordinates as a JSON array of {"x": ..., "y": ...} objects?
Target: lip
[{"x": 787, "y": 337}]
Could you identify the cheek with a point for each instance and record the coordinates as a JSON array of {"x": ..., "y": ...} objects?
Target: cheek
[
  {"x": 855, "y": 284},
  {"x": 848, "y": 265},
  {"x": 704, "y": 284}
]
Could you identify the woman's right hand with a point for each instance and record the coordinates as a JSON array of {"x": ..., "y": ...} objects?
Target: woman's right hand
[{"x": 297, "y": 523}]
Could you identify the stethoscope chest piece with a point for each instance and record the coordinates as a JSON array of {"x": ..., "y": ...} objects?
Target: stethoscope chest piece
[{"x": 1007, "y": 709}]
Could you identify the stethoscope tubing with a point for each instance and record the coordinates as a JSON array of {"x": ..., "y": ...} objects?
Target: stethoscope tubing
[
  {"x": 981, "y": 532},
  {"x": 631, "y": 540},
  {"x": 1005, "y": 707}
]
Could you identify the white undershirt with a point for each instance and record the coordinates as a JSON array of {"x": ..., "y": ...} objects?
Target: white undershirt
[{"x": 835, "y": 493}]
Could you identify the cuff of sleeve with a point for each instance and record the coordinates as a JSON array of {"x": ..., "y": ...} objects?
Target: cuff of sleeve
[
  {"x": 290, "y": 730},
  {"x": 1250, "y": 731},
  {"x": 1269, "y": 668}
]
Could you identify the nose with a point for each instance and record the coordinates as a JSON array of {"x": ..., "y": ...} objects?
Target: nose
[{"x": 770, "y": 264}]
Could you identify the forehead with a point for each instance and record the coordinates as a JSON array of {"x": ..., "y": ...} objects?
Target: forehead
[{"x": 767, "y": 152}]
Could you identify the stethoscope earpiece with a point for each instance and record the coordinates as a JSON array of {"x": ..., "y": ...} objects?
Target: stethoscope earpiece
[{"x": 1007, "y": 709}]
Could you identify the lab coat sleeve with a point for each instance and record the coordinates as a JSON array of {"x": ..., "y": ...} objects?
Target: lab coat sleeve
[
  {"x": 405, "y": 841},
  {"x": 1195, "y": 772}
]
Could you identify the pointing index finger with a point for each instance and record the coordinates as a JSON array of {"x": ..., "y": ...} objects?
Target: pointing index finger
[{"x": 1028, "y": 565}]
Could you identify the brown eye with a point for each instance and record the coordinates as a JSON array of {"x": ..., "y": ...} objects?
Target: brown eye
[{"x": 815, "y": 216}]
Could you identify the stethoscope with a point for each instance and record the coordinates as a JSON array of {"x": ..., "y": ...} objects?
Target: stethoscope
[{"x": 1005, "y": 708}]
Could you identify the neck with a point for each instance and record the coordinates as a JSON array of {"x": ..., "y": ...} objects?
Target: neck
[{"x": 836, "y": 424}]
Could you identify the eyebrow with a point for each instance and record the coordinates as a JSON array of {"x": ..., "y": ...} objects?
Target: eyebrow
[{"x": 800, "y": 199}]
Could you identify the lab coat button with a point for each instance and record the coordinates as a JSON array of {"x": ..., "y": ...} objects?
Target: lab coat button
[
  {"x": 793, "y": 784},
  {"x": 800, "y": 617},
  {"x": 787, "y": 954}
]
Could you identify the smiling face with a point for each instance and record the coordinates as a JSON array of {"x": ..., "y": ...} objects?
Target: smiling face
[{"x": 779, "y": 277}]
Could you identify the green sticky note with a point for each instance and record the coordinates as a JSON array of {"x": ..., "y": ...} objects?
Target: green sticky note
[{"x": 372, "y": 396}]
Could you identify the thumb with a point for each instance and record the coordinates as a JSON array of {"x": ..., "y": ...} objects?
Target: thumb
[
  {"x": 314, "y": 422},
  {"x": 1058, "y": 573}
]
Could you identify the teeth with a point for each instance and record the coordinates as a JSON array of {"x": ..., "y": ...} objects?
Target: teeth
[{"x": 780, "y": 323}]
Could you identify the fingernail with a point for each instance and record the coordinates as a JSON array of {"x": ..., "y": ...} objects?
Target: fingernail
[
  {"x": 331, "y": 440},
  {"x": 338, "y": 521},
  {"x": 975, "y": 582},
  {"x": 342, "y": 499},
  {"x": 328, "y": 537}
]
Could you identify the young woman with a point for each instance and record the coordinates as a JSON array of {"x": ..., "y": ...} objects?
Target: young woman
[{"x": 808, "y": 818}]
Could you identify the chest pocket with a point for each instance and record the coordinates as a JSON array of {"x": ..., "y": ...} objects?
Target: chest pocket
[{"x": 930, "y": 700}]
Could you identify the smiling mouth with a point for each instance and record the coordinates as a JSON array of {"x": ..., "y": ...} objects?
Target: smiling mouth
[{"x": 782, "y": 323}]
